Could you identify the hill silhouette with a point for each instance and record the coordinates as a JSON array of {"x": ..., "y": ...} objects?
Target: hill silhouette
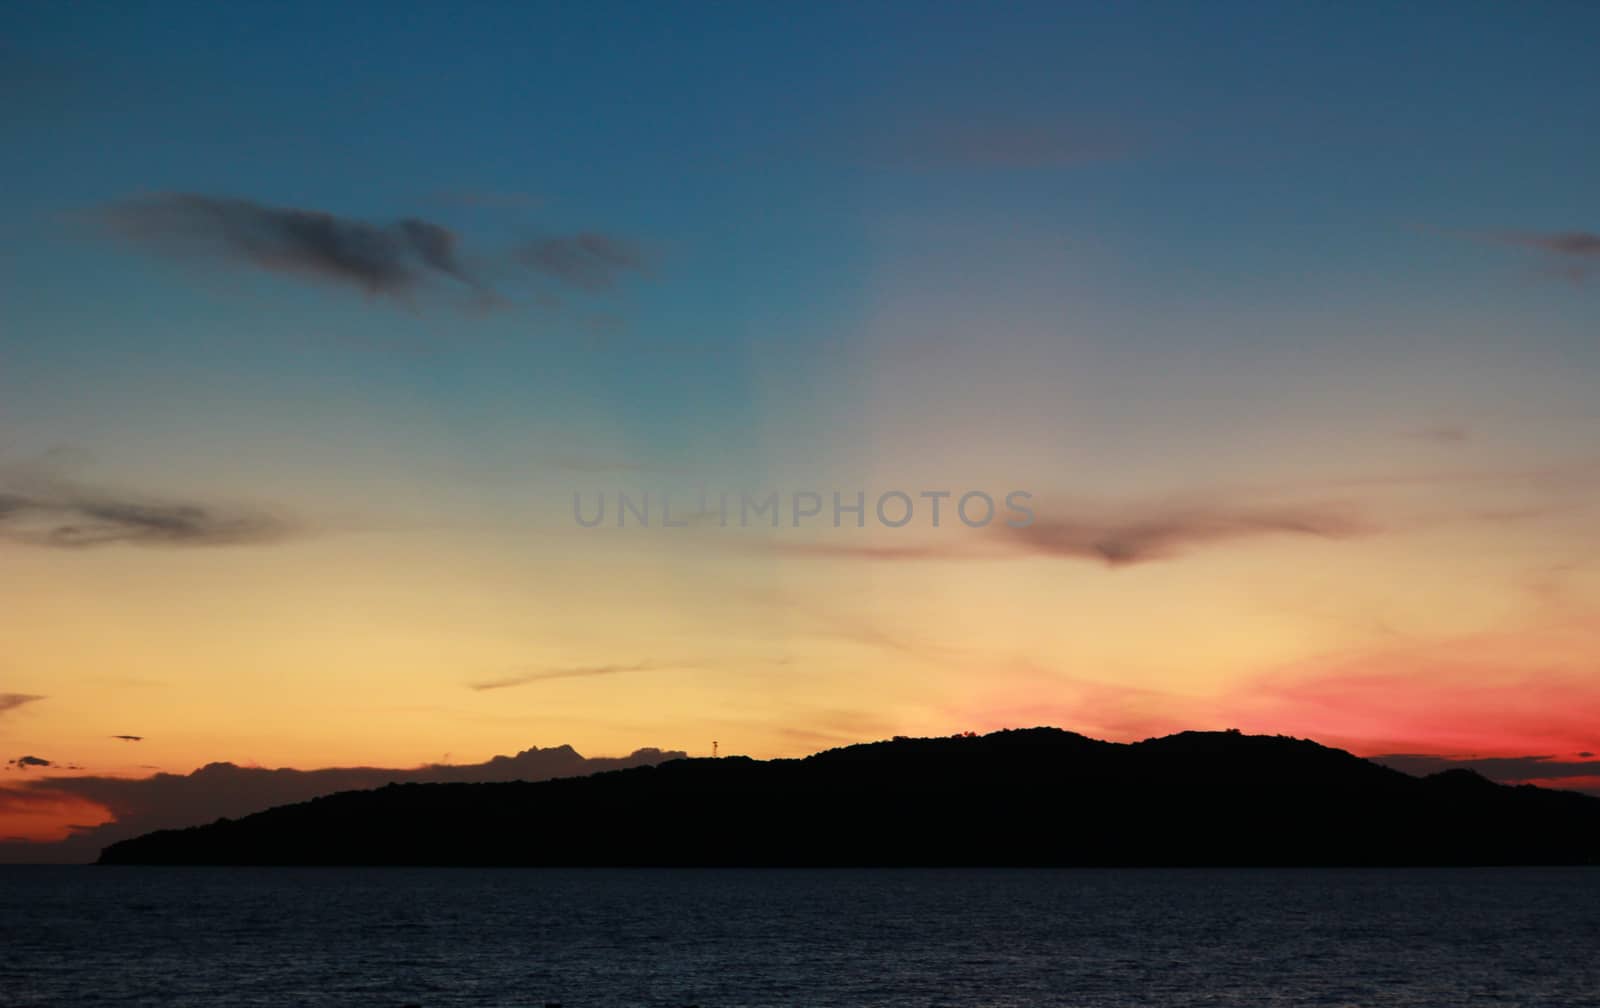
[
  {"x": 1038, "y": 796},
  {"x": 165, "y": 801}
]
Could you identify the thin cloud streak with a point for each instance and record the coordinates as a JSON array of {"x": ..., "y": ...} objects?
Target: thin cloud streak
[
  {"x": 589, "y": 261},
  {"x": 576, "y": 672},
  {"x": 1166, "y": 534},
  {"x": 1157, "y": 534},
  {"x": 66, "y": 516},
  {"x": 1574, "y": 255},
  {"x": 1582, "y": 244},
  {"x": 11, "y": 701}
]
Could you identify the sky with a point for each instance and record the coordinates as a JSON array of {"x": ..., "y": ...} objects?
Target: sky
[{"x": 314, "y": 321}]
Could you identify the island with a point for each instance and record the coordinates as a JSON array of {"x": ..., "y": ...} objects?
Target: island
[{"x": 1026, "y": 797}]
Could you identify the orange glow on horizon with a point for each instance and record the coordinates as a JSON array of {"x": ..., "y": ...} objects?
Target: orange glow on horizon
[{"x": 40, "y": 816}]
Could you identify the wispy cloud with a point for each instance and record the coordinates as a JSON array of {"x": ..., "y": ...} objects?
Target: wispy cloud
[
  {"x": 1585, "y": 244},
  {"x": 68, "y": 516},
  {"x": 879, "y": 551},
  {"x": 1167, "y": 533},
  {"x": 1144, "y": 534},
  {"x": 11, "y": 701},
  {"x": 380, "y": 259},
  {"x": 573, "y": 672},
  {"x": 1572, "y": 254},
  {"x": 24, "y": 800},
  {"x": 589, "y": 261},
  {"x": 394, "y": 259}
]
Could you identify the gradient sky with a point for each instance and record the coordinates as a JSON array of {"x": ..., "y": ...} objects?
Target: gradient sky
[{"x": 1286, "y": 316}]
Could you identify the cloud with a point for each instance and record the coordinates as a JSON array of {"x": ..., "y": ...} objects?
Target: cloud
[
  {"x": 172, "y": 801},
  {"x": 875, "y": 551},
  {"x": 17, "y": 800},
  {"x": 1134, "y": 536},
  {"x": 67, "y": 516},
  {"x": 837, "y": 625},
  {"x": 129, "y": 738},
  {"x": 380, "y": 259},
  {"x": 11, "y": 701},
  {"x": 1167, "y": 533},
  {"x": 1574, "y": 254},
  {"x": 588, "y": 261},
  {"x": 24, "y": 762},
  {"x": 390, "y": 259},
  {"x": 1583, "y": 244},
  {"x": 575, "y": 672}
]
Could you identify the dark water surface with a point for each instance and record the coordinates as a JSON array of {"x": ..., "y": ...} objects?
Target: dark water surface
[{"x": 1439, "y": 938}]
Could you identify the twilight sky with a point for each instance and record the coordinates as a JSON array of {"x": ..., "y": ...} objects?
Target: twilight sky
[{"x": 313, "y": 320}]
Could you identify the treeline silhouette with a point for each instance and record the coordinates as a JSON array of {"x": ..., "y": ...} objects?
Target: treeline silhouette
[{"x": 1039, "y": 796}]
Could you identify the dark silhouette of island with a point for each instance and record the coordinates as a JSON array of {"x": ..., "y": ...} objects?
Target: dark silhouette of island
[
  {"x": 167, "y": 801},
  {"x": 1031, "y": 797}
]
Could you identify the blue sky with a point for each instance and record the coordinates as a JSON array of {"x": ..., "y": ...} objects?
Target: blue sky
[
  {"x": 1294, "y": 305},
  {"x": 1188, "y": 214}
]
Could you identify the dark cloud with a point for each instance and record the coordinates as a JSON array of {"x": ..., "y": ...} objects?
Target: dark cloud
[
  {"x": 24, "y": 762},
  {"x": 395, "y": 259},
  {"x": 575, "y": 672},
  {"x": 435, "y": 246},
  {"x": 26, "y": 799},
  {"x": 389, "y": 259},
  {"x": 588, "y": 261},
  {"x": 1161, "y": 535},
  {"x": 1583, "y": 244},
  {"x": 73, "y": 517},
  {"x": 129, "y": 738},
  {"x": 11, "y": 701},
  {"x": 171, "y": 801},
  {"x": 1132, "y": 537},
  {"x": 1573, "y": 254}
]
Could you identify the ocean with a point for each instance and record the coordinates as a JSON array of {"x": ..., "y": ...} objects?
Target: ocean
[{"x": 1235, "y": 938}]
